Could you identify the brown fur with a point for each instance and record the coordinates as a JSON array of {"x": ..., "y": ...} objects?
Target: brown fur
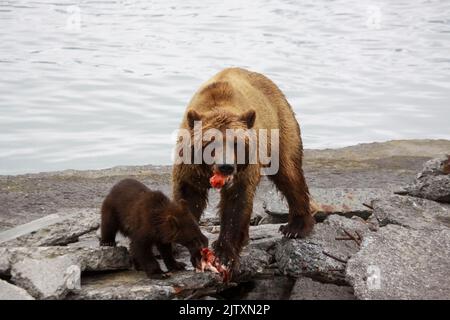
[
  {"x": 150, "y": 218},
  {"x": 237, "y": 98}
]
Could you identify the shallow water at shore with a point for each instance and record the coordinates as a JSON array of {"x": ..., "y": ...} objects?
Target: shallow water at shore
[{"x": 93, "y": 84}]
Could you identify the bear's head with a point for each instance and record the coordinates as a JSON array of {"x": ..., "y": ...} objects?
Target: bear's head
[
  {"x": 183, "y": 228},
  {"x": 222, "y": 140}
]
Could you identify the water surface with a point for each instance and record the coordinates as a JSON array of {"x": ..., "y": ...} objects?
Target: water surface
[{"x": 94, "y": 84}]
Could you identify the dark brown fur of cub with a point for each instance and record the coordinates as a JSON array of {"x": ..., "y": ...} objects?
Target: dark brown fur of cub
[{"x": 150, "y": 218}]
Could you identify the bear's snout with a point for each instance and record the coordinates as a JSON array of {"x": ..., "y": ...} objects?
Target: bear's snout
[{"x": 226, "y": 169}]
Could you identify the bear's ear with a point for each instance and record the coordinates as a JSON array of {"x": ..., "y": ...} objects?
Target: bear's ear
[
  {"x": 193, "y": 116},
  {"x": 248, "y": 117}
]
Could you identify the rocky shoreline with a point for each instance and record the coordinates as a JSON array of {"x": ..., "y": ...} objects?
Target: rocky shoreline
[{"x": 383, "y": 232}]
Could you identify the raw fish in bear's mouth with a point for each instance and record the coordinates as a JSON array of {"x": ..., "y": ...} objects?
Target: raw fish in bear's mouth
[{"x": 218, "y": 180}]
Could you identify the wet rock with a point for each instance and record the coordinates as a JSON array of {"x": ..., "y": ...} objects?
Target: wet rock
[
  {"x": 264, "y": 236},
  {"x": 137, "y": 286},
  {"x": 411, "y": 212},
  {"x": 277, "y": 288},
  {"x": 49, "y": 278},
  {"x": 347, "y": 202},
  {"x": 308, "y": 289},
  {"x": 401, "y": 263},
  {"x": 322, "y": 255},
  {"x": 88, "y": 259},
  {"x": 433, "y": 182},
  {"x": 4, "y": 261},
  {"x": 67, "y": 229},
  {"x": 253, "y": 263},
  {"x": 12, "y": 292}
]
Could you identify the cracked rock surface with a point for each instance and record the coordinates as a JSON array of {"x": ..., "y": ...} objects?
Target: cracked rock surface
[{"x": 368, "y": 243}]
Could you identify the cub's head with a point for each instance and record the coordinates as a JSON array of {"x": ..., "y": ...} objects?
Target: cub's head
[
  {"x": 184, "y": 229},
  {"x": 221, "y": 140}
]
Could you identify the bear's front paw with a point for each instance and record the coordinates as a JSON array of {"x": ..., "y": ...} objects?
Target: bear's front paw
[
  {"x": 227, "y": 255},
  {"x": 299, "y": 227}
]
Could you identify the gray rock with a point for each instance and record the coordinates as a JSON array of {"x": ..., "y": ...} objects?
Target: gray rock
[
  {"x": 308, "y": 289},
  {"x": 277, "y": 288},
  {"x": 253, "y": 263},
  {"x": 87, "y": 258},
  {"x": 4, "y": 261},
  {"x": 433, "y": 182},
  {"x": 137, "y": 286},
  {"x": 411, "y": 212},
  {"x": 321, "y": 256},
  {"x": 347, "y": 202},
  {"x": 264, "y": 236},
  {"x": 48, "y": 278},
  {"x": 120, "y": 286},
  {"x": 12, "y": 292},
  {"x": 29, "y": 227},
  {"x": 401, "y": 263},
  {"x": 73, "y": 224}
]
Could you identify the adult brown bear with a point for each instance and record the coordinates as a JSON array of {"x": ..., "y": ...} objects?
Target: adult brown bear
[{"x": 239, "y": 99}]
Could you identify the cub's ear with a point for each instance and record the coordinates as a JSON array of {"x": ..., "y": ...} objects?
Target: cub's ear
[
  {"x": 193, "y": 116},
  {"x": 173, "y": 224},
  {"x": 248, "y": 117}
]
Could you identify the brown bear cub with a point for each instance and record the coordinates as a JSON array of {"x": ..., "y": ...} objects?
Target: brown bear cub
[{"x": 150, "y": 218}]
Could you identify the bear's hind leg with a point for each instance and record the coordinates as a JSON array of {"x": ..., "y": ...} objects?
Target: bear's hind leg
[
  {"x": 165, "y": 249},
  {"x": 290, "y": 180}
]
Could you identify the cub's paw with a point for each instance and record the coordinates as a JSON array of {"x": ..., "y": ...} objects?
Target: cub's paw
[{"x": 298, "y": 227}]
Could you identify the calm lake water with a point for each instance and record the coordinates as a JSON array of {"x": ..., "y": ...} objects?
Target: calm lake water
[{"x": 94, "y": 84}]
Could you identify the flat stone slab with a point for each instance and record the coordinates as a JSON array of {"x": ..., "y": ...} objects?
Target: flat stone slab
[
  {"x": 88, "y": 258},
  {"x": 401, "y": 263},
  {"x": 343, "y": 201},
  {"x": 48, "y": 278},
  {"x": 137, "y": 286},
  {"x": 322, "y": 256},
  {"x": 29, "y": 227},
  {"x": 411, "y": 212},
  {"x": 9, "y": 291},
  {"x": 55, "y": 230},
  {"x": 308, "y": 289}
]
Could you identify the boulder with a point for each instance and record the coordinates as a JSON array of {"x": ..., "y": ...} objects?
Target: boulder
[
  {"x": 308, "y": 289},
  {"x": 9, "y": 291},
  {"x": 70, "y": 225},
  {"x": 411, "y": 212},
  {"x": 433, "y": 182},
  {"x": 49, "y": 278},
  {"x": 401, "y": 263},
  {"x": 323, "y": 254},
  {"x": 87, "y": 258}
]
